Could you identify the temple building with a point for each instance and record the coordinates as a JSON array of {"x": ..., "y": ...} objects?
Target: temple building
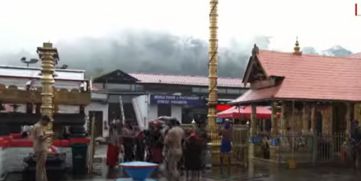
[
  {"x": 310, "y": 95},
  {"x": 142, "y": 97},
  {"x": 20, "y": 96},
  {"x": 26, "y": 94}
]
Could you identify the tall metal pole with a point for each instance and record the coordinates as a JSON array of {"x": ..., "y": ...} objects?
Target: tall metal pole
[
  {"x": 212, "y": 68},
  {"x": 49, "y": 57}
]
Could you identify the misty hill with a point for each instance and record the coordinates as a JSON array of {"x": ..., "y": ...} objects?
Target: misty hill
[
  {"x": 149, "y": 52},
  {"x": 154, "y": 52},
  {"x": 337, "y": 51}
]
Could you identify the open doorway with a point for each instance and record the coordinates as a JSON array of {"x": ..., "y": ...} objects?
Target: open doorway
[
  {"x": 339, "y": 118},
  {"x": 318, "y": 123}
]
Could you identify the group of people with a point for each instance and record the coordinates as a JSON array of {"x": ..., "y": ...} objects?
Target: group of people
[
  {"x": 166, "y": 143},
  {"x": 126, "y": 139},
  {"x": 162, "y": 143}
]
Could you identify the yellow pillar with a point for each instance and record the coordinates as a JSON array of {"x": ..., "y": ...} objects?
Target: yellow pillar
[
  {"x": 212, "y": 77},
  {"x": 48, "y": 56},
  {"x": 274, "y": 128},
  {"x": 313, "y": 118},
  {"x": 212, "y": 66},
  {"x": 283, "y": 124},
  {"x": 252, "y": 131},
  {"x": 327, "y": 120},
  {"x": 305, "y": 118},
  {"x": 348, "y": 118}
]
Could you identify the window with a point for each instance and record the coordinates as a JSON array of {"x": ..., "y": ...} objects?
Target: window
[
  {"x": 196, "y": 89},
  {"x": 119, "y": 86},
  {"x": 164, "y": 110},
  {"x": 233, "y": 91},
  {"x": 138, "y": 88},
  {"x": 200, "y": 89},
  {"x": 222, "y": 91},
  {"x": 204, "y": 90}
]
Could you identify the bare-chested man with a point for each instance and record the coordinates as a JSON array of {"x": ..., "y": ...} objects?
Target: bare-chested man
[
  {"x": 40, "y": 145},
  {"x": 173, "y": 150},
  {"x": 226, "y": 142}
]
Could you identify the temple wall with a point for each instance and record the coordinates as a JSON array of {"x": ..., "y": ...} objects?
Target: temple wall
[
  {"x": 292, "y": 118},
  {"x": 303, "y": 119},
  {"x": 299, "y": 119},
  {"x": 326, "y": 112}
]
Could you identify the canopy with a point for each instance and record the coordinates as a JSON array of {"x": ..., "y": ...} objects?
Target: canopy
[{"x": 262, "y": 112}]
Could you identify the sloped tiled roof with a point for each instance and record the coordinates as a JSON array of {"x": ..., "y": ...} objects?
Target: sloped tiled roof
[
  {"x": 185, "y": 80},
  {"x": 310, "y": 77},
  {"x": 257, "y": 95}
]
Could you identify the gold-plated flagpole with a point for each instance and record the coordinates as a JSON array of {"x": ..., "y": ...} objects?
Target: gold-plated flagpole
[
  {"x": 49, "y": 57},
  {"x": 212, "y": 77}
]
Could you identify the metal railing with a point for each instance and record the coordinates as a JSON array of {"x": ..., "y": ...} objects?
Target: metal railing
[
  {"x": 301, "y": 148},
  {"x": 329, "y": 147},
  {"x": 240, "y": 144}
]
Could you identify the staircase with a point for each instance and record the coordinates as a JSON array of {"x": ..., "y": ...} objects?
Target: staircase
[{"x": 138, "y": 113}]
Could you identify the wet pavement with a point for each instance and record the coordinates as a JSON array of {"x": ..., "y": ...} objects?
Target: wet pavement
[{"x": 257, "y": 172}]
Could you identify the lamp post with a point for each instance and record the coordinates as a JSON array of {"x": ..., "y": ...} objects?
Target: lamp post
[
  {"x": 49, "y": 58},
  {"x": 28, "y": 62}
]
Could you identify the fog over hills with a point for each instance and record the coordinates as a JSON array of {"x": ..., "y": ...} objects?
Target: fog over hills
[{"x": 154, "y": 52}]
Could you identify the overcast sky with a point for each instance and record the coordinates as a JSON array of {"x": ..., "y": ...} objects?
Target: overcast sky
[{"x": 25, "y": 24}]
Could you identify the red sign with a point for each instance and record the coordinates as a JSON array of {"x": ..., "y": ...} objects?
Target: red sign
[{"x": 222, "y": 107}]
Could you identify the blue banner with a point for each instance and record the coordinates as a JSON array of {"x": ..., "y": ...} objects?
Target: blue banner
[{"x": 177, "y": 100}]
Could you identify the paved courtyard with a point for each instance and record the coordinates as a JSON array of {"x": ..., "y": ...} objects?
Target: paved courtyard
[{"x": 255, "y": 173}]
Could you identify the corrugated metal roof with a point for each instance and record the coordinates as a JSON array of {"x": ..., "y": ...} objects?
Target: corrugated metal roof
[{"x": 185, "y": 80}]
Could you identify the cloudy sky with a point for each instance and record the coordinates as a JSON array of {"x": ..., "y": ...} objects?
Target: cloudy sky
[{"x": 25, "y": 24}]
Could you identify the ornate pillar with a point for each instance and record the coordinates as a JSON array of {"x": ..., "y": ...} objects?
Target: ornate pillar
[
  {"x": 313, "y": 118},
  {"x": 274, "y": 129},
  {"x": 327, "y": 119},
  {"x": 348, "y": 118},
  {"x": 212, "y": 85},
  {"x": 212, "y": 68},
  {"x": 283, "y": 118},
  {"x": 253, "y": 128},
  {"x": 329, "y": 112},
  {"x": 252, "y": 131},
  {"x": 49, "y": 58},
  {"x": 305, "y": 118}
]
